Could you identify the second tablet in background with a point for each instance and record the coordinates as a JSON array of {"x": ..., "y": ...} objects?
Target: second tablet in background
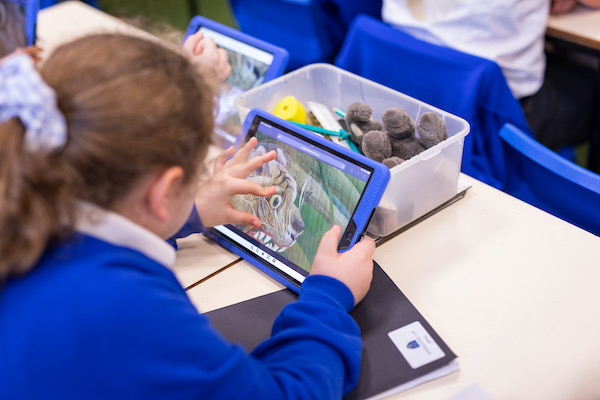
[{"x": 252, "y": 61}]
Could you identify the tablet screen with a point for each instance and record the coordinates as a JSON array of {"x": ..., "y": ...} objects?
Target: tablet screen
[
  {"x": 316, "y": 188},
  {"x": 249, "y": 66}
]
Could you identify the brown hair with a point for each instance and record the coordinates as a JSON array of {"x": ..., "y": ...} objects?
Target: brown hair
[{"x": 132, "y": 107}]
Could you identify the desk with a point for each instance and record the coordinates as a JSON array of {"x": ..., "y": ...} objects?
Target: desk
[
  {"x": 512, "y": 290},
  {"x": 579, "y": 26}
]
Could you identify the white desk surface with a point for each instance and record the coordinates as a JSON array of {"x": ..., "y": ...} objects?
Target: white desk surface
[
  {"x": 512, "y": 290},
  {"x": 581, "y": 26}
]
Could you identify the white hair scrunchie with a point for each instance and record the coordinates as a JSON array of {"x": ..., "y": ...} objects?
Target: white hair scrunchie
[{"x": 25, "y": 95}]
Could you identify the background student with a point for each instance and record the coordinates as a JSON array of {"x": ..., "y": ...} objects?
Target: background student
[{"x": 559, "y": 98}]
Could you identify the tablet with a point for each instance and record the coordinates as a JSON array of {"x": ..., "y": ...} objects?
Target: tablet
[
  {"x": 252, "y": 63},
  {"x": 318, "y": 184},
  {"x": 17, "y": 24}
]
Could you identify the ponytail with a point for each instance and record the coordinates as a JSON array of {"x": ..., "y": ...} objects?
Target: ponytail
[
  {"x": 131, "y": 107},
  {"x": 33, "y": 200}
]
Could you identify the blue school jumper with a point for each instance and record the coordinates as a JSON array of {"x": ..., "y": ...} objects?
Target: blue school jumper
[{"x": 100, "y": 320}]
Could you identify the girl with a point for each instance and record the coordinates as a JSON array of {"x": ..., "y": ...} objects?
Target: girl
[{"x": 99, "y": 163}]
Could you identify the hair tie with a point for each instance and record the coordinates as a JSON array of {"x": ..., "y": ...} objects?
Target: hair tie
[{"x": 25, "y": 95}]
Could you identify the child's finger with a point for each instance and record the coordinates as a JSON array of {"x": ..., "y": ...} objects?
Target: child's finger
[
  {"x": 222, "y": 159},
  {"x": 189, "y": 46},
  {"x": 242, "y": 154},
  {"x": 224, "y": 68},
  {"x": 237, "y": 217},
  {"x": 329, "y": 241},
  {"x": 246, "y": 187},
  {"x": 243, "y": 170},
  {"x": 365, "y": 248},
  {"x": 209, "y": 47}
]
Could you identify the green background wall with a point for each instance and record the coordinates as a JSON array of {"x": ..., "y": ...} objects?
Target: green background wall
[{"x": 168, "y": 13}]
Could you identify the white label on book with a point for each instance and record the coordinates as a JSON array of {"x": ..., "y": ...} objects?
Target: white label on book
[{"x": 416, "y": 345}]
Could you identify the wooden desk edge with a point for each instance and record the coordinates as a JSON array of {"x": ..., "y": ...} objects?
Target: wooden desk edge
[{"x": 570, "y": 37}]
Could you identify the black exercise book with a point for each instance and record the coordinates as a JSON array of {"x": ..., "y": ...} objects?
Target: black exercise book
[{"x": 399, "y": 345}]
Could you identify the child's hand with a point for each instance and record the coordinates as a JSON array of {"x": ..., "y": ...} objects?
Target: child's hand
[
  {"x": 32, "y": 51},
  {"x": 213, "y": 200},
  {"x": 204, "y": 51},
  {"x": 354, "y": 267}
]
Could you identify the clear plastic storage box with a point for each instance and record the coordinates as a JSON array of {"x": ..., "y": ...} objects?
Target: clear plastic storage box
[{"x": 416, "y": 186}]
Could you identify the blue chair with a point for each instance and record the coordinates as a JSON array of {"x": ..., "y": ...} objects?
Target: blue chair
[
  {"x": 338, "y": 15},
  {"x": 467, "y": 86},
  {"x": 48, "y": 3},
  {"x": 291, "y": 24},
  {"x": 310, "y": 30},
  {"x": 541, "y": 177}
]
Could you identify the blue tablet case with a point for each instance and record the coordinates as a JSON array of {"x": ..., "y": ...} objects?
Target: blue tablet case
[
  {"x": 31, "y": 21},
  {"x": 362, "y": 215},
  {"x": 280, "y": 55}
]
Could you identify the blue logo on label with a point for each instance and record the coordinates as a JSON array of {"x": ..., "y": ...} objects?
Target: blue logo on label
[{"x": 412, "y": 344}]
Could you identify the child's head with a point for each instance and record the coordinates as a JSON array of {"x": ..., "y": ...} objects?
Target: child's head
[{"x": 132, "y": 107}]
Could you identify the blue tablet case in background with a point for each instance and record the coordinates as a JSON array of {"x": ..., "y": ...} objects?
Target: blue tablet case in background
[
  {"x": 280, "y": 55},
  {"x": 32, "y": 8},
  {"x": 253, "y": 62}
]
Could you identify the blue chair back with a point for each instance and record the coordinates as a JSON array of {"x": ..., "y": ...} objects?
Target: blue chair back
[
  {"x": 338, "y": 16},
  {"x": 310, "y": 30},
  {"x": 48, "y": 3},
  {"x": 546, "y": 180},
  {"x": 291, "y": 24},
  {"x": 467, "y": 86}
]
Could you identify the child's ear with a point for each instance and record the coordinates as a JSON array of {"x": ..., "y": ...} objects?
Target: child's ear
[{"x": 162, "y": 191}]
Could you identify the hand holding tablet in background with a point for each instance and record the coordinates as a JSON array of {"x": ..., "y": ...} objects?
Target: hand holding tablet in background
[
  {"x": 252, "y": 62},
  {"x": 204, "y": 51}
]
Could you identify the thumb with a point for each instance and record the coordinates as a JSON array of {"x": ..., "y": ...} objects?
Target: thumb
[{"x": 330, "y": 240}]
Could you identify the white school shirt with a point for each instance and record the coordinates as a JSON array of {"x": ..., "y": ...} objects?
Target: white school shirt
[{"x": 508, "y": 32}]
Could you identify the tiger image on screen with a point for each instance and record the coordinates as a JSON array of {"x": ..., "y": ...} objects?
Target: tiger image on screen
[{"x": 310, "y": 197}]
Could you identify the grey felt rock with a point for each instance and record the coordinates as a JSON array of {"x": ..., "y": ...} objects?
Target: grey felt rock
[
  {"x": 401, "y": 130},
  {"x": 432, "y": 129},
  {"x": 392, "y": 162},
  {"x": 398, "y": 124},
  {"x": 360, "y": 121},
  {"x": 376, "y": 145},
  {"x": 395, "y": 140}
]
